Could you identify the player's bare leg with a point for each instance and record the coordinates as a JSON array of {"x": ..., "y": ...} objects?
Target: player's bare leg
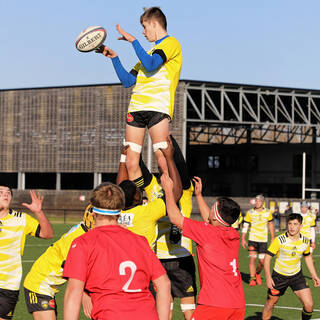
[
  {"x": 134, "y": 135},
  {"x": 252, "y": 267},
  {"x": 186, "y": 304},
  {"x": 44, "y": 315},
  {"x": 159, "y": 133},
  {"x": 305, "y": 297},
  {"x": 268, "y": 307},
  {"x": 259, "y": 269}
]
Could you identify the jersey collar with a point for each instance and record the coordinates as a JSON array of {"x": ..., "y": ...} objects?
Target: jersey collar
[{"x": 158, "y": 41}]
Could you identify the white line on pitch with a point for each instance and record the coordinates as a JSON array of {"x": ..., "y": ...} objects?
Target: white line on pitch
[
  {"x": 28, "y": 261},
  {"x": 279, "y": 307}
]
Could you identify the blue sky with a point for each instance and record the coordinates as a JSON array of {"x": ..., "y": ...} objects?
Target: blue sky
[{"x": 262, "y": 42}]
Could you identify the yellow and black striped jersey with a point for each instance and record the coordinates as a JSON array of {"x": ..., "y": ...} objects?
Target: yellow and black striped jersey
[
  {"x": 155, "y": 90},
  {"x": 142, "y": 219},
  {"x": 13, "y": 230},
  {"x": 308, "y": 222},
  {"x": 288, "y": 253},
  {"x": 46, "y": 273},
  {"x": 165, "y": 249},
  {"x": 258, "y": 224}
]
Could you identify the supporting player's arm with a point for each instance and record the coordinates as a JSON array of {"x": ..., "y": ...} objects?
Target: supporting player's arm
[
  {"x": 35, "y": 206},
  {"x": 309, "y": 262},
  {"x": 173, "y": 172},
  {"x": 174, "y": 213},
  {"x": 122, "y": 171},
  {"x": 163, "y": 294},
  {"x": 72, "y": 299},
  {"x": 203, "y": 207},
  {"x": 269, "y": 281}
]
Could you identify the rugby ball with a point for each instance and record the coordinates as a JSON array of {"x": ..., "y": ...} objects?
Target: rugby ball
[{"x": 91, "y": 38}]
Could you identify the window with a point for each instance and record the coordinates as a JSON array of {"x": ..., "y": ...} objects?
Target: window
[
  {"x": 40, "y": 180},
  {"x": 9, "y": 179},
  {"x": 77, "y": 181}
]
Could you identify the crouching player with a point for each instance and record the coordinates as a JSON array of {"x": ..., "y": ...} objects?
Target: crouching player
[
  {"x": 115, "y": 266},
  {"x": 289, "y": 248},
  {"x": 41, "y": 283}
]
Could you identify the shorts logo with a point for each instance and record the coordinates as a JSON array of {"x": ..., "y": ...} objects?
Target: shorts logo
[
  {"x": 251, "y": 248},
  {"x": 274, "y": 292},
  {"x": 129, "y": 117},
  {"x": 52, "y": 303},
  {"x": 190, "y": 289},
  {"x": 44, "y": 304}
]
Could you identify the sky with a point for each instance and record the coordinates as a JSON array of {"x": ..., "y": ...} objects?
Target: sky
[{"x": 259, "y": 42}]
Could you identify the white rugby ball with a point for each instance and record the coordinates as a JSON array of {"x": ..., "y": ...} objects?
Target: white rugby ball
[{"x": 91, "y": 38}]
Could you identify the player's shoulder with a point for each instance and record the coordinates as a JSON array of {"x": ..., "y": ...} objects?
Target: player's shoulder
[
  {"x": 172, "y": 41},
  {"x": 304, "y": 239},
  {"x": 282, "y": 238}
]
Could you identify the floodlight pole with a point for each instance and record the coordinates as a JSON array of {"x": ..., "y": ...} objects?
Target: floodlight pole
[{"x": 303, "y": 175}]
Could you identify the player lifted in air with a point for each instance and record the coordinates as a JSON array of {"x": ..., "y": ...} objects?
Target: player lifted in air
[
  {"x": 173, "y": 249},
  {"x": 155, "y": 77},
  {"x": 14, "y": 226},
  {"x": 43, "y": 280},
  {"x": 221, "y": 294},
  {"x": 260, "y": 220},
  {"x": 289, "y": 248},
  {"x": 115, "y": 266}
]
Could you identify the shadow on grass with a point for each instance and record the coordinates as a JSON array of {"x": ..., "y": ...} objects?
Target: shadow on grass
[{"x": 258, "y": 316}]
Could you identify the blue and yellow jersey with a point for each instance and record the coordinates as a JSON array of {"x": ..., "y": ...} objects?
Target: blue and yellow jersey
[
  {"x": 258, "y": 224},
  {"x": 13, "y": 230},
  {"x": 46, "y": 273},
  {"x": 155, "y": 90},
  {"x": 288, "y": 253},
  {"x": 308, "y": 222}
]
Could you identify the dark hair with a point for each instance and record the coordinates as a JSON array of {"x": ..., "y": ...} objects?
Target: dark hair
[
  {"x": 129, "y": 188},
  {"x": 5, "y": 185},
  {"x": 295, "y": 216},
  {"x": 154, "y": 13},
  {"x": 228, "y": 209}
]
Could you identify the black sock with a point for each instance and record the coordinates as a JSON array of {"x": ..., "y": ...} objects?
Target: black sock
[{"x": 306, "y": 315}]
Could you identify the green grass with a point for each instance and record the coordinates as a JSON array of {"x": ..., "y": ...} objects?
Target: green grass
[{"x": 254, "y": 295}]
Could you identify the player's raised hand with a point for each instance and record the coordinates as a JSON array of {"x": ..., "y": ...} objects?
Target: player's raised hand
[
  {"x": 36, "y": 202},
  {"x": 124, "y": 34},
  {"x": 166, "y": 183},
  {"x": 124, "y": 149},
  {"x": 106, "y": 51},
  {"x": 169, "y": 150},
  {"x": 197, "y": 185}
]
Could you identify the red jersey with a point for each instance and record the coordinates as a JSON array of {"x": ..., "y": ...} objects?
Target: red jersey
[
  {"x": 218, "y": 257},
  {"x": 117, "y": 267}
]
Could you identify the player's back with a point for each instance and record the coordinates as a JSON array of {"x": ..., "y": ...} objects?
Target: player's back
[{"x": 120, "y": 268}]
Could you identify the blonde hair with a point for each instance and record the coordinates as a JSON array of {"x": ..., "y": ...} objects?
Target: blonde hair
[{"x": 108, "y": 196}]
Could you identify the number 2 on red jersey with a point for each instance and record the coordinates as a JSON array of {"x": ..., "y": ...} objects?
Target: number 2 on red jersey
[{"x": 122, "y": 270}]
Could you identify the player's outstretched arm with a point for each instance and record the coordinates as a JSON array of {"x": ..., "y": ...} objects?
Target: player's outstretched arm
[
  {"x": 72, "y": 299},
  {"x": 203, "y": 207},
  {"x": 310, "y": 265},
  {"x": 35, "y": 206},
  {"x": 122, "y": 171},
  {"x": 173, "y": 171},
  {"x": 269, "y": 281},
  {"x": 124, "y": 34},
  {"x": 163, "y": 294},
  {"x": 174, "y": 213}
]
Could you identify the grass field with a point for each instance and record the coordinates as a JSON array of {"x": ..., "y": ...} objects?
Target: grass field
[{"x": 288, "y": 306}]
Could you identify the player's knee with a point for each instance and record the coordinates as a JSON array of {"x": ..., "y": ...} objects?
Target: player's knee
[
  {"x": 160, "y": 145},
  {"x": 137, "y": 148},
  {"x": 308, "y": 306}
]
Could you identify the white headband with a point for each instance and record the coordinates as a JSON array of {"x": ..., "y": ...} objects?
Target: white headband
[
  {"x": 217, "y": 215},
  {"x": 106, "y": 212}
]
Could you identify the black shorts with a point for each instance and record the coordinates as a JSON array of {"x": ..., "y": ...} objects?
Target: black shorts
[
  {"x": 182, "y": 274},
  {"x": 8, "y": 301},
  {"x": 260, "y": 247},
  {"x": 142, "y": 119},
  {"x": 39, "y": 302},
  {"x": 281, "y": 283}
]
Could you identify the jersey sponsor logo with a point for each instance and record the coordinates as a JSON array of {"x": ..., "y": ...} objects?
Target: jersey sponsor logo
[
  {"x": 129, "y": 117},
  {"x": 126, "y": 218},
  {"x": 73, "y": 246}
]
